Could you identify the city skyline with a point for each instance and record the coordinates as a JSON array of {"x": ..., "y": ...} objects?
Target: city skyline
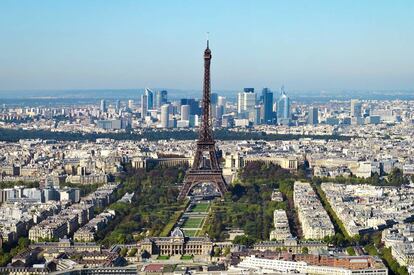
[
  {"x": 304, "y": 45},
  {"x": 286, "y": 148}
]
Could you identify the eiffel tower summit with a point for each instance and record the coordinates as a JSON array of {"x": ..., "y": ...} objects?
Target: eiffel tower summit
[{"x": 206, "y": 168}]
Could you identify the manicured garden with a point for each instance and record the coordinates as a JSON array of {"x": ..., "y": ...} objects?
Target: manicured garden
[
  {"x": 200, "y": 207},
  {"x": 190, "y": 233},
  {"x": 193, "y": 223},
  {"x": 187, "y": 257}
]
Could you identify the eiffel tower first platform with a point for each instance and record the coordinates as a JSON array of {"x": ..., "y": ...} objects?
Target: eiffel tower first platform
[{"x": 206, "y": 168}]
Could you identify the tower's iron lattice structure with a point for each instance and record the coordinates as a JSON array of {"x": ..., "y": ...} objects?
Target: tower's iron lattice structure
[{"x": 206, "y": 166}]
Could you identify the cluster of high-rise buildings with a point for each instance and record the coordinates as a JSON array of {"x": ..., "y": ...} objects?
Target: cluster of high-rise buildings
[
  {"x": 263, "y": 110},
  {"x": 249, "y": 109}
]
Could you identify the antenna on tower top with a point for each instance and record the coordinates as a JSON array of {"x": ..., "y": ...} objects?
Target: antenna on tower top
[{"x": 207, "y": 34}]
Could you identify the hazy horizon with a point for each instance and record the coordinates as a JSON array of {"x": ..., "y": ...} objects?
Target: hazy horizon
[
  {"x": 304, "y": 45},
  {"x": 92, "y": 96}
]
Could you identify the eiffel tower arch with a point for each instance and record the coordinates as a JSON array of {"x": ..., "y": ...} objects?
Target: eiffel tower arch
[{"x": 206, "y": 167}]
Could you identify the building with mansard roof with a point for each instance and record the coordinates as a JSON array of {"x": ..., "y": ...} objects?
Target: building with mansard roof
[{"x": 176, "y": 244}]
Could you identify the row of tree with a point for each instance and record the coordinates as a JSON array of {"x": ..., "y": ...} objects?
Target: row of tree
[
  {"x": 14, "y": 135},
  {"x": 395, "y": 178}
]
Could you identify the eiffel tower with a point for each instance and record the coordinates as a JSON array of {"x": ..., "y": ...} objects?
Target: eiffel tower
[{"x": 206, "y": 168}]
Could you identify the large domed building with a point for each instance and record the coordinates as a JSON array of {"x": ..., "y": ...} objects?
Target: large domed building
[{"x": 177, "y": 244}]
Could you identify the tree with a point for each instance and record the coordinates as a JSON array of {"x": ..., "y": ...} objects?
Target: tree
[
  {"x": 123, "y": 252},
  {"x": 356, "y": 239},
  {"x": 132, "y": 252},
  {"x": 23, "y": 242},
  {"x": 244, "y": 240},
  {"x": 377, "y": 237},
  {"x": 217, "y": 252},
  {"x": 375, "y": 179},
  {"x": 350, "y": 251},
  {"x": 396, "y": 177},
  {"x": 339, "y": 239},
  {"x": 226, "y": 251}
]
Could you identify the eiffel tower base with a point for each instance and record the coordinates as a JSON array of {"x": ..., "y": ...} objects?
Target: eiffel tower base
[{"x": 194, "y": 177}]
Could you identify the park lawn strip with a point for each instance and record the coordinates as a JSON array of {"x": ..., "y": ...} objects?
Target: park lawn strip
[
  {"x": 190, "y": 233},
  {"x": 193, "y": 223},
  {"x": 200, "y": 207}
]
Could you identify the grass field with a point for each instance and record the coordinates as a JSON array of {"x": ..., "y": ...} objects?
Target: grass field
[
  {"x": 192, "y": 223},
  {"x": 163, "y": 257},
  {"x": 190, "y": 233},
  {"x": 200, "y": 207},
  {"x": 187, "y": 257}
]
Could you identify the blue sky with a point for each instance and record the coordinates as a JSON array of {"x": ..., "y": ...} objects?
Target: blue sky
[{"x": 130, "y": 44}]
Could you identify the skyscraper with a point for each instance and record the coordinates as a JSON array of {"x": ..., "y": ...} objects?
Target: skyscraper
[
  {"x": 219, "y": 113},
  {"x": 161, "y": 98},
  {"x": 246, "y": 102},
  {"x": 164, "y": 97},
  {"x": 283, "y": 108},
  {"x": 214, "y": 98},
  {"x": 103, "y": 105},
  {"x": 157, "y": 100},
  {"x": 194, "y": 105},
  {"x": 185, "y": 112},
  {"x": 144, "y": 105},
  {"x": 150, "y": 98},
  {"x": 313, "y": 115},
  {"x": 356, "y": 112},
  {"x": 117, "y": 105},
  {"x": 165, "y": 115},
  {"x": 221, "y": 101},
  {"x": 267, "y": 97},
  {"x": 130, "y": 104},
  {"x": 254, "y": 115},
  {"x": 356, "y": 108}
]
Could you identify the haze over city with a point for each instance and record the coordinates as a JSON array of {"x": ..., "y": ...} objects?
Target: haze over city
[{"x": 304, "y": 45}]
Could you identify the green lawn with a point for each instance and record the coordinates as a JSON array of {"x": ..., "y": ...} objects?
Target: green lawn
[
  {"x": 163, "y": 257},
  {"x": 190, "y": 233},
  {"x": 187, "y": 257},
  {"x": 200, "y": 207},
  {"x": 192, "y": 223}
]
